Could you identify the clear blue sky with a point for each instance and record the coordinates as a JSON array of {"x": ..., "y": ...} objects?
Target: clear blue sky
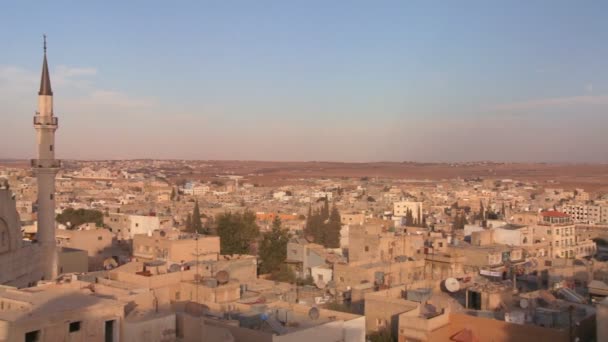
[{"x": 311, "y": 80}]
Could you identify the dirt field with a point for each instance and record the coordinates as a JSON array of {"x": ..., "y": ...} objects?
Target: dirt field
[{"x": 591, "y": 177}]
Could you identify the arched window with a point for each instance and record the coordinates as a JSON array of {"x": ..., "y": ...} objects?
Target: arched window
[{"x": 5, "y": 240}]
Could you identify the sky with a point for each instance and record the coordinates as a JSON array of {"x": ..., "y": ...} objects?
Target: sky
[{"x": 429, "y": 81}]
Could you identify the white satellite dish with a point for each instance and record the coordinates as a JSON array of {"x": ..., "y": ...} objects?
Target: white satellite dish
[
  {"x": 523, "y": 303},
  {"x": 452, "y": 284}
]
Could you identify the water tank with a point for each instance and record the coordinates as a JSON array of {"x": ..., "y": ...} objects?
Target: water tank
[{"x": 516, "y": 316}]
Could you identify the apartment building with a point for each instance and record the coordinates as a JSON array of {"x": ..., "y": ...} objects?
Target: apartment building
[
  {"x": 559, "y": 229},
  {"x": 401, "y": 208},
  {"x": 586, "y": 213}
]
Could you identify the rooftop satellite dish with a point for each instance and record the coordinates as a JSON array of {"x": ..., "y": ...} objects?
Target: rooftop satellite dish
[
  {"x": 313, "y": 313},
  {"x": 452, "y": 285},
  {"x": 523, "y": 303},
  {"x": 109, "y": 263}
]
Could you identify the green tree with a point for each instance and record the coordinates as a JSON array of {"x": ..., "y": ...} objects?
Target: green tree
[
  {"x": 197, "y": 224},
  {"x": 383, "y": 335},
  {"x": 237, "y": 232},
  {"x": 189, "y": 223},
  {"x": 409, "y": 218},
  {"x": 308, "y": 230},
  {"x": 331, "y": 230},
  {"x": 73, "y": 218},
  {"x": 325, "y": 210},
  {"x": 273, "y": 248},
  {"x": 283, "y": 274}
]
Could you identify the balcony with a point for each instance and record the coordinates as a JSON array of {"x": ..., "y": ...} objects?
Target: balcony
[
  {"x": 45, "y": 121},
  {"x": 45, "y": 163}
]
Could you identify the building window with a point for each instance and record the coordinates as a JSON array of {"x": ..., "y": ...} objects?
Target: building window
[
  {"x": 32, "y": 336},
  {"x": 74, "y": 326},
  {"x": 99, "y": 238},
  {"x": 51, "y": 148},
  {"x": 52, "y": 196},
  {"x": 367, "y": 248}
]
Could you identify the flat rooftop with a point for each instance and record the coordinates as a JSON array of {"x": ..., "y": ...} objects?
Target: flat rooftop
[{"x": 47, "y": 300}]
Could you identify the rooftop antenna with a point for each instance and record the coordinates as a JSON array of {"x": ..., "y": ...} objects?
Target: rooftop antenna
[{"x": 44, "y": 40}]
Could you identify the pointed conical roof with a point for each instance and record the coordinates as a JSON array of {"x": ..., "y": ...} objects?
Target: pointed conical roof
[{"x": 45, "y": 80}]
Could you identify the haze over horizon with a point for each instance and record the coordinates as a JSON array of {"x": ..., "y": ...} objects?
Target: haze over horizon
[{"x": 277, "y": 81}]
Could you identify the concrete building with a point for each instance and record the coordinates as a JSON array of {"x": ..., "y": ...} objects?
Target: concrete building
[
  {"x": 401, "y": 208},
  {"x": 274, "y": 322},
  {"x": 587, "y": 213},
  {"x": 366, "y": 245},
  {"x": 21, "y": 263},
  {"x": 58, "y": 313},
  {"x": 379, "y": 273},
  {"x": 126, "y": 226},
  {"x": 175, "y": 247},
  {"x": 558, "y": 228},
  {"x": 96, "y": 242}
]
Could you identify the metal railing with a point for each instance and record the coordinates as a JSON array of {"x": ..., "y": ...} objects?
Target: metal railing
[
  {"x": 46, "y": 120},
  {"x": 45, "y": 163}
]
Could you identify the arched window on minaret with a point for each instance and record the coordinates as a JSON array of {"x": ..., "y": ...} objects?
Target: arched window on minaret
[{"x": 5, "y": 239}]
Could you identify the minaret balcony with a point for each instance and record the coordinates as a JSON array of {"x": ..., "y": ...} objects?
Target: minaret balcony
[
  {"x": 45, "y": 163},
  {"x": 45, "y": 120}
]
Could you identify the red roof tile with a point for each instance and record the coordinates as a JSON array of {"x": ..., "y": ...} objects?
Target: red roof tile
[{"x": 554, "y": 213}]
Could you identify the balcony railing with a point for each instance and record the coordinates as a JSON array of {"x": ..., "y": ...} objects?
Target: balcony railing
[
  {"x": 46, "y": 120},
  {"x": 45, "y": 163}
]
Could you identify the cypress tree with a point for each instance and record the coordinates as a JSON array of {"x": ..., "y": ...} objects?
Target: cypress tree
[
  {"x": 189, "y": 223},
  {"x": 197, "y": 224},
  {"x": 332, "y": 229},
  {"x": 273, "y": 248}
]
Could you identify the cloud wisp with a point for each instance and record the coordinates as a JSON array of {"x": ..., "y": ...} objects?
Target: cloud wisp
[{"x": 554, "y": 102}]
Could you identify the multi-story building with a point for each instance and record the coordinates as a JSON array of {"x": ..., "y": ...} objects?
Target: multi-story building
[
  {"x": 558, "y": 228},
  {"x": 175, "y": 247},
  {"x": 401, "y": 208},
  {"x": 127, "y": 226},
  {"x": 583, "y": 213}
]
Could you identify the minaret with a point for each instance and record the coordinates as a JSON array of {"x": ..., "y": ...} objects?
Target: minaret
[{"x": 45, "y": 168}]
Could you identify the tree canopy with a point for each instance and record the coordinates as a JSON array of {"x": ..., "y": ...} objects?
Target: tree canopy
[
  {"x": 76, "y": 217},
  {"x": 273, "y": 248},
  {"x": 237, "y": 232},
  {"x": 323, "y": 226}
]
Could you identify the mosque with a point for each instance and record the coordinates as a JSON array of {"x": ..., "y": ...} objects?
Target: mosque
[{"x": 22, "y": 262}]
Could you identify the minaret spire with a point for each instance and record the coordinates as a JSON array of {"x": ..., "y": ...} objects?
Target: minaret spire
[
  {"x": 45, "y": 166},
  {"x": 45, "y": 80}
]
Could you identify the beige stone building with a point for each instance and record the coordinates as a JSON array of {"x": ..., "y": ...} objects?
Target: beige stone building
[
  {"x": 400, "y": 209},
  {"x": 96, "y": 242},
  {"x": 175, "y": 247},
  {"x": 378, "y": 273},
  {"x": 558, "y": 229},
  {"x": 382, "y": 246},
  {"x": 125, "y": 226},
  {"x": 58, "y": 313},
  {"x": 21, "y": 263}
]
